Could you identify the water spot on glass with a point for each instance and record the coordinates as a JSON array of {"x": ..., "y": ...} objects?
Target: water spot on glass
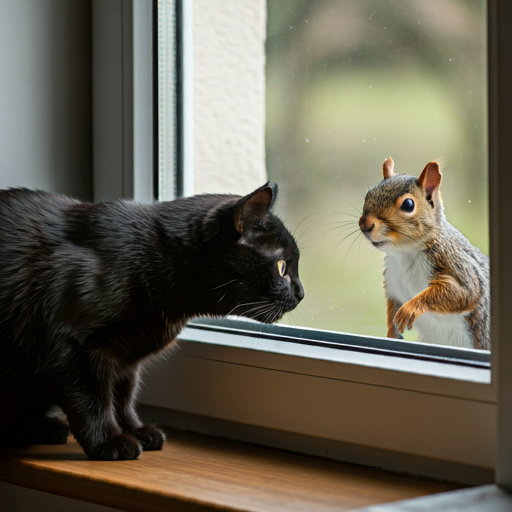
[{"x": 307, "y": 140}]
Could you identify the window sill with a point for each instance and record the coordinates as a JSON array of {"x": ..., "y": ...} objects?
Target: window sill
[
  {"x": 196, "y": 473},
  {"x": 435, "y": 377},
  {"x": 405, "y": 408}
]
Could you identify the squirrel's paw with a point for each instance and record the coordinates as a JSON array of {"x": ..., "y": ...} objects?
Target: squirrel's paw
[
  {"x": 405, "y": 317},
  {"x": 393, "y": 333}
]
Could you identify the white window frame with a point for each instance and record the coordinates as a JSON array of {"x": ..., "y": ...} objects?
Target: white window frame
[{"x": 423, "y": 417}]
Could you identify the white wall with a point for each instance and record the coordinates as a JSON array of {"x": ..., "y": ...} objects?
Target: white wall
[
  {"x": 45, "y": 95},
  {"x": 229, "y": 95}
]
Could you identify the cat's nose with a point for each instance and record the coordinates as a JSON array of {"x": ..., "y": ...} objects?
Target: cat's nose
[{"x": 299, "y": 291}]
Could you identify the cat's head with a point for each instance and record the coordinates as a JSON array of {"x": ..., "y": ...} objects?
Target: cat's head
[{"x": 254, "y": 258}]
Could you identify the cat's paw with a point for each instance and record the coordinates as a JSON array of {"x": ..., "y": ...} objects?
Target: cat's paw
[
  {"x": 42, "y": 430},
  {"x": 150, "y": 437},
  {"x": 52, "y": 431},
  {"x": 120, "y": 447}
]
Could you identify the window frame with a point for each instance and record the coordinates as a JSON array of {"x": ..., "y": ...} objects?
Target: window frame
[{"x": 429, "y": 418}]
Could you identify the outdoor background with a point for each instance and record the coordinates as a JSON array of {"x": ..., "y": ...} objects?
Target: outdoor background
[{"x": 349, "y": 83}]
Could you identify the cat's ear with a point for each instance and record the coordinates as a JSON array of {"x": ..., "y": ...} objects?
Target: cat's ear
[{"x": 252, "y": 208}]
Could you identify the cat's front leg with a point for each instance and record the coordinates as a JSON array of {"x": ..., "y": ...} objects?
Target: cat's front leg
[
  {"x": 89, "y": 405},
  {"x": 149, "y": 436}
]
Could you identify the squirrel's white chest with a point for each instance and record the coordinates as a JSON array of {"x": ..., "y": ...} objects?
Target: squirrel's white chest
[{"x": 408, "y": 274}]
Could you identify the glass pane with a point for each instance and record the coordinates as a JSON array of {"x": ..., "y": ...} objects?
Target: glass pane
[{"x": 349, "y": 83}]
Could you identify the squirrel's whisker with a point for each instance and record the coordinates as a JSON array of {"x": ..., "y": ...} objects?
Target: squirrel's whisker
[
  {"x": 345, "y": 213},
  {"x": 350, "y": 247},
  {"x": 344, "y": 238}
]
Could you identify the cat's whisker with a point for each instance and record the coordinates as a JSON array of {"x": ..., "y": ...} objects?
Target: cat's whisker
[
  {"x": 222, "y": 297},
  {"x": 225, "y": 284},
  {"x": 307, "y": 231},
  {"x": 258, "y": 310},
  {"x": 304, "y": 219},
  {"x": 309, "y": 248},
  {"x": 262, "y": 314},
  {"x": 316, "y": 226},
  {"x": 300, "y": 309},
  {"x": 275, "y": 314},
  {"x": 245, "y": 304},
  {"x": 265, "y": 316},
  {"x": 308, "y": 241}
]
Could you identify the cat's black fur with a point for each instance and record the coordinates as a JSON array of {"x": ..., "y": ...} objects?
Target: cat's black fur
[{"x": 89, "y": 291}]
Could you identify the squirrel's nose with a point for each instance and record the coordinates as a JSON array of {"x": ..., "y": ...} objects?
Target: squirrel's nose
[{"x": 363, "y": 226}]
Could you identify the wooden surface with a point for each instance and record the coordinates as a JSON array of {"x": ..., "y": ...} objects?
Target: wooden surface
[{"x": 198, "y": 473}]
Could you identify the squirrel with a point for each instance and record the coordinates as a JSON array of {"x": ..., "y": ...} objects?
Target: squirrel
[{"x": 433, "y": 276}]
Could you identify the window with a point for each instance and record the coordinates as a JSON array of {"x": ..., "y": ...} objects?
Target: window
[
  {"x": 378, "y": 408},
  {"x": 416, "y": 96},
  {"x": 348, "y": 84}
]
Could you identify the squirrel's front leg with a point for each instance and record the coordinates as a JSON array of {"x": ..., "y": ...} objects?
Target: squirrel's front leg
[
  {"x": 392, "y": 307},
  {"x": 443, "y": 295}
]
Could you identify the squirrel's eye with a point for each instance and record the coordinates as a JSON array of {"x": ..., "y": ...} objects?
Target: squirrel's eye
[
  {"x": 408, "y": 205},
  {"x": 281, "y": 266}
]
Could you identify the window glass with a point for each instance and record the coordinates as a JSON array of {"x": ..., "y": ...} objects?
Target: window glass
[{"x": 349, "y": 83}]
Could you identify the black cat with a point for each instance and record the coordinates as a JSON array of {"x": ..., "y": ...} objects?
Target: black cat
[{"x": 89, "y": 291}]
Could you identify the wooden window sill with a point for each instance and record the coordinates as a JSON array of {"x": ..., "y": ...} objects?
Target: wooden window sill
[{"x": 199, "y": 473}]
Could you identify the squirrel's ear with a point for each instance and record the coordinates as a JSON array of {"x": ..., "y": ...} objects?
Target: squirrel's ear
[
  {"x": 388, "y": 167},
  {"x": 430, "y": 179}
]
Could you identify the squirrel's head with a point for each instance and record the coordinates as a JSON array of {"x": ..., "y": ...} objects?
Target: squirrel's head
[{"x": 402, "y": 211}]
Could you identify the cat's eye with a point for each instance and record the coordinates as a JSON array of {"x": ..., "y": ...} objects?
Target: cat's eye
[
  {"x": 281, "y": 266},
  {"x": 408, "y": 205}
]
